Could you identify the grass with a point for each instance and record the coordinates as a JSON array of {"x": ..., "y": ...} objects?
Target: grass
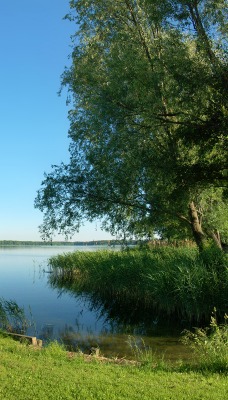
[
  {"x": 210, "y": 345},
  {"x": 52, "y": 373},
  {"x": 175, "y": 282}
]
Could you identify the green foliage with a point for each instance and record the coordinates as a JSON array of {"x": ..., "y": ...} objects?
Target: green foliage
[
  {"x": 148, "y": 119},
  {"x": 210, "y": 345},
  {"x": 175, "y": 282},
  {"x": 214, "y": 210}
]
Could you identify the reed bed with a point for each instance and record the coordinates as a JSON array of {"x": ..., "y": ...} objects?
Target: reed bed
[{"x": 173, "y": 282}]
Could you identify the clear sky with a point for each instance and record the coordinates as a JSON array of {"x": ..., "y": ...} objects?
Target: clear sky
[{"x": 35, "y": 45}]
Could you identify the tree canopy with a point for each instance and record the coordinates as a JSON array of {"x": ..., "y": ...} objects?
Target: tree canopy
[{"x": 148, "y": 90}]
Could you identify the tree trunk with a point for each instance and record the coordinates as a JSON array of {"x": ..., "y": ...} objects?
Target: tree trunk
[
  {"x": 196, "y": 227},
  {"x": 216, "y": 237}
]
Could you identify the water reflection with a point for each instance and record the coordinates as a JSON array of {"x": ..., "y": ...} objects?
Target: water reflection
[
  {"x": 120, "y": 323},
  {"x": 120, "y": 345},
  {"x": 47, "y": 332},
  {"x": 127, "y": 316},
  {"x": 79, "y": 320}
]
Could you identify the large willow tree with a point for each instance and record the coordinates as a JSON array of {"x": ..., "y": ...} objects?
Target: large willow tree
[{"x": 148, "y": 89}]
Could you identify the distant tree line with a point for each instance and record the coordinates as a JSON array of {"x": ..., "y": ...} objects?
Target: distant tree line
[{"x": 65, "y": 243}]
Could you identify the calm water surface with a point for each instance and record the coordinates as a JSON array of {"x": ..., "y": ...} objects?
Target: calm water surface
[{"x": 60, "y": 315}]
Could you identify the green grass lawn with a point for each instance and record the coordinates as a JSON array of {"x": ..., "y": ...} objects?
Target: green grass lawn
[{"x": 50, "y": 373}]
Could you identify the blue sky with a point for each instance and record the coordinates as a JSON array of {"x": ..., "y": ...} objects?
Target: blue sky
[{"x": 35, "y": 45}]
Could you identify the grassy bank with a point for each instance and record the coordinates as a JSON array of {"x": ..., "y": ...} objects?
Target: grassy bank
[
  {"x": 52, "y": 373},
  {"x": 174, "y": 282}
]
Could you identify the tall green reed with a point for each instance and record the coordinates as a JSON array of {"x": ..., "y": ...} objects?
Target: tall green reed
[
  {"x": 210, "y": 345},
  {"x": 176, "y": 282},
  {"x": 12, "y": 317}
]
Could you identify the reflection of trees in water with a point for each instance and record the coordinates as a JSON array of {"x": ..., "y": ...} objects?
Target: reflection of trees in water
[
  {"x": 107, "y": 343},
  {"x": 74, "y": 340},
  {"x": 108, "y": 307},
  {"x": 47, "y": 332},
  {"x": 128, "y": 317},
  {"x": 121, "y": 321},
  {"x": 121, "y": 344}
]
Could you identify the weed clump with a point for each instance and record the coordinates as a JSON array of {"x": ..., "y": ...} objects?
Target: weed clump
[
  {"x": 210, "y": 345},
  {"x": 12, "y": 317}
]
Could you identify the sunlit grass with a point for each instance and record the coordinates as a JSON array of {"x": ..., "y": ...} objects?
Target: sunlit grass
[{"x": 52, "y": 373}]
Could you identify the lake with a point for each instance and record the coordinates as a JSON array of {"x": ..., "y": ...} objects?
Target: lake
[{"x": 70, "y": 318}]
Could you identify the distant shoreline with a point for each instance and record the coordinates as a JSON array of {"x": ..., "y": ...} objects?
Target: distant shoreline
[{"x": 4, "y": 243}]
